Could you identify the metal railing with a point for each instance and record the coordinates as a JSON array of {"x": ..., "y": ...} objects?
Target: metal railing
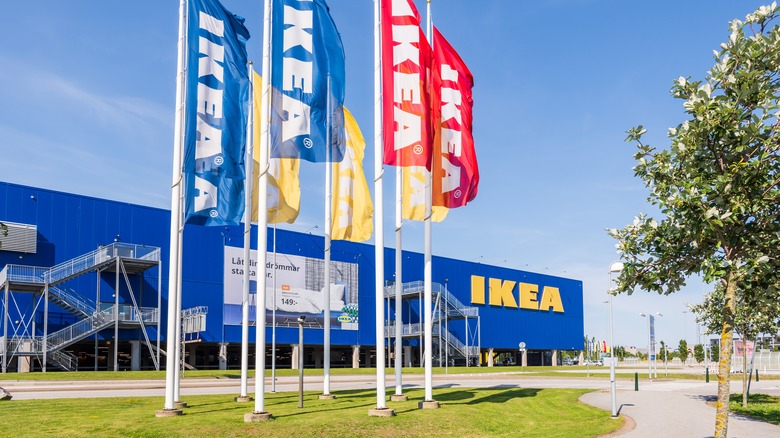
[
  {"x": 452, "y": 302},
  {"x": 84, "y": 305},
  {"x": 22, "y": 274},
  {"x": 83, "y": 263},
  {"x": 78, "y": 265}
]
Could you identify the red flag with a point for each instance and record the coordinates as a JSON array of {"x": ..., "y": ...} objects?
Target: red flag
[
  {"x": 406, "y": 63},
  {"x": 455, "y": 173}
]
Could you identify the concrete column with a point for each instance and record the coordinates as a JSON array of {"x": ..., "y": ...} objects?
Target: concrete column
[
  {"x": 110, "y": 355},
  {"x": 23, "y": 362},
  {"x": 318, "y": 356},
  {"x": 554, "y": 358},
  {"x": 223, "y": 356},
  {"x": 135, "y": 355},
  {"x": 367, "y": 355},
  {"x": 524, "y": 358},
  {"x": 490, "y": 357},
  {"x": 192, "y": 357},
  {"x": 355, "y": 356},
  {"x": 582, "y": 358},
  {"x": 407, "y": 356},
  {"x": 295, "y": 353}
]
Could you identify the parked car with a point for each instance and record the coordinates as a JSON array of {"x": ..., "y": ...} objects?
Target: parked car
[{"x": 570, "y": 362}]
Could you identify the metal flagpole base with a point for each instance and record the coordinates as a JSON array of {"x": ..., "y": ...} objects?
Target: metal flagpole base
[
  {"x": 327, "y": 396},
  {"x": 179, "y": 404},
  {"x": 243, "y": 399},
  {"x": 384, "y": 412},
  {"x": 168, "y": 413},
  {"x": 399, "y": 397},
  {"x": 257, "y": 416},
  {"x": 428, "y": 404}
]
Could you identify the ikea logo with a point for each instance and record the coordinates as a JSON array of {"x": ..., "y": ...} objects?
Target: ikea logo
[{"x": 502, "y": 293}]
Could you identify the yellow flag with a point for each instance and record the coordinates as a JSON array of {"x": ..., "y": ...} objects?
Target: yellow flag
[
  {"x": 284, "y": 187},
  {"x": 353, "y": 210},
  {"x": 413, "y": 200}
]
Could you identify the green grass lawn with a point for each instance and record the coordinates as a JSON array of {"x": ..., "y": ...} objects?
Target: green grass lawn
[
  {"x": 464, "y": 412},
  {"x": 761, "y": 406}
]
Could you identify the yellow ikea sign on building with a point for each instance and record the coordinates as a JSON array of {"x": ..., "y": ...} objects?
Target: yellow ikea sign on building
[{"x": 502, "y": 293}]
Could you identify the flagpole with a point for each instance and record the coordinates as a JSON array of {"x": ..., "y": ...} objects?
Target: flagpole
[
  {"x": 259, "y": 414},
  {"x": 428, "y": 293},
  {"x": 379, "y": 236},
  {"x": 244, "y": 396},
  {"x": 328, "y": 213},
  {"x": 174, "y": 270},
  {"x": 177, "y": 382},
  {"x": 399, "y": 392},
  {"x": 273, "y": 308}
]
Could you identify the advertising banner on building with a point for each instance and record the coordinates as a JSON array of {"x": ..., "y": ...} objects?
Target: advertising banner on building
[{"x": 299, "y": 285}]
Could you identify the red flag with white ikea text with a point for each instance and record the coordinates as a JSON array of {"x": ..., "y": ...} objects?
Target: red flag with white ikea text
[
  {"x": 406, "y": 63},
  {"x": 455, "y": 175}
]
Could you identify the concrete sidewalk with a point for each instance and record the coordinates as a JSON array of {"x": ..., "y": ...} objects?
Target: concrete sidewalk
[{"x": 680, "y": 409}]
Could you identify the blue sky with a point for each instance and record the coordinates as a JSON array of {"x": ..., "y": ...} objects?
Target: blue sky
[{"x": 87, "y": 106}]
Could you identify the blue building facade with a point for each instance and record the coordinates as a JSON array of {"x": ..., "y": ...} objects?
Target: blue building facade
[{"x": 505, "y": 306}]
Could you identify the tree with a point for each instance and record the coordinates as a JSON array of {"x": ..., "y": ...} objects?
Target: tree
[
  {"x": 716, "y": 185},
  {"x": 682, "y": 351},
  {"x": 715, "y": 354},
  {"x": 662, "y": 353},
  {"x": 754, "y": 314},
  {"x": 698, "y": 353}
]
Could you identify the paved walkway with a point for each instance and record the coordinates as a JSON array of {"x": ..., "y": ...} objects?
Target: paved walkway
[{"x": 679, "y": 409}]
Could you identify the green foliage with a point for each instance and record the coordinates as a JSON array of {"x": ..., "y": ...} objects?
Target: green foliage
[
  {"x": 754, "y": 312},
  {"x": 663, "y": 353},
  {"x": 715, "y": 354},
  {"x": 698, "y": 353},
  {"x": 716, "y": 186},
  {"x": 682, "y": 350}
]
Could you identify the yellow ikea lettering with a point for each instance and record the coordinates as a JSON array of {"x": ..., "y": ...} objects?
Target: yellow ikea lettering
[
  {"x": 501, "y": 293},
  {"x": 528, "y": 296},
  {"x": 477, "y": 289},
  {"x": 551, "y": 298}
]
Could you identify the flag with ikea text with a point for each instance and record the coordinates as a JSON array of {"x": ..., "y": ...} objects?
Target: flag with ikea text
[
  {"x": 406, "y": 62},
  {"x": 352, "y": 206},
  {"x": 455, "y": 172},
  {"x": 216, "y": 104},
  {"x": 308, "y": 79}
]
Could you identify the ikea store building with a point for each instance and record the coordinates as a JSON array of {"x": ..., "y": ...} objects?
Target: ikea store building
[{"x": 84, "y": 282}]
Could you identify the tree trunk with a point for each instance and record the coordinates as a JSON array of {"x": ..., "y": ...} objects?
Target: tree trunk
[{"x": 724, "y": 365}]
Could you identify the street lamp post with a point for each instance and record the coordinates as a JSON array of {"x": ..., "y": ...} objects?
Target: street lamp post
[
  {"x": 615, "y": 267},
  {"x": 301, "y": 320}
]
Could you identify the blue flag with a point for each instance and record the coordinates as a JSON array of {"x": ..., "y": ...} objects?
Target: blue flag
[
  {"x": 217, "y": 104},
  {"x": 308, "y": 83}
]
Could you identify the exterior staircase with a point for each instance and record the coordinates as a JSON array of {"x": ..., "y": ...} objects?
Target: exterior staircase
[
  {"x": 446, "y": 307},
  {"x": 92, "y": 319}
]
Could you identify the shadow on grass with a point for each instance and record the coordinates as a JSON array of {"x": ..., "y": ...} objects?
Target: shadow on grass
[{"x": 503, "y": 395}]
